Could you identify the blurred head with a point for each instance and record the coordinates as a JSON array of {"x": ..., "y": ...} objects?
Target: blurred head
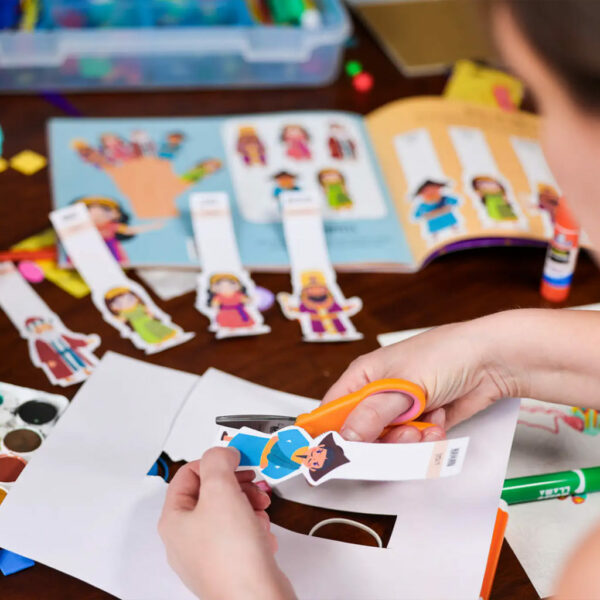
[
  {"x": 225, "y": 284},
  {"x": 554, "y": 47},
  {"x": 121, "y": 299},
  {"x": 103, "y": 210},
  {"x": 430, "y": 191},
  {"x": 330, "y": 176}
]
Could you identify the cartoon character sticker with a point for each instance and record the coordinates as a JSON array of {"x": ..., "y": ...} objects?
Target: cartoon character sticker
[
  {"x": 130, "y": 310},
  {"x": 340, "y": 143},
  {"x": 65, "y": 357},
  {"x": 284, "y": 182},
  {"x": 494, "y": 198},
  {"x": 547, "y": 199},
  {"x": 112, "y": 222},
  {"x": 289, "y": 452},
  {"x": 228, "y": 300},
  {"x": 436, "y": 210},
  {"x": 333, "y": 185},
  {"x": 145, "y": 176},
  {"x": 320, "y": 307},
  {"x": 250, "y": 148},
  {"x": 296, "y": 140}
]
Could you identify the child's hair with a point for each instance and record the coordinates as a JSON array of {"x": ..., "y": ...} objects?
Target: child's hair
[
  {"x": 115, "y": 293},
  {"x": 321, "y": 175},
  {"x": 285, "y": 129},
  {"x": 107, "y": 202},
  {"x": 178, "y": 134},
  {"x": 284, "y": 174},
  {"x": 428, "y": 182},
  {"x": 477, "y": 181},
  {"x": 335, "y": 458},
  {"x": 565, "y": 35},
  {"x": 218, "y": 277}
]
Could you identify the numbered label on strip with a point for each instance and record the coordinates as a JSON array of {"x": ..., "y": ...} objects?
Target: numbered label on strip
[
  {"x": 123, "y": 302},
  {"x": 65, "y": 357},
  {"x": 226, "y": 293},
  {"x": 291, "y": 451},
  {"x": 317, "y": 302}
]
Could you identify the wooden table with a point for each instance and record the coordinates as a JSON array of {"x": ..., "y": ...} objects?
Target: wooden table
[{"x": 455, "y": 287}]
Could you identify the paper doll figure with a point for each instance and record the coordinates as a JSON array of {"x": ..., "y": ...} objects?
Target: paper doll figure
[
  {"x": 113, "y": 223},
  {"x": 494, "y": 198},
  {"x": 321, "y": 317},
  {"x": 284, "y": 182},
  {"x": 129, "y": 309},
  {"x": 435, "y": 208},
  {"x": 148, "y": 181},
  {"x": 171, "y": 145},
  {"x": 114, "y": 148},
  {"x": 296, "y": 140},
  {"x": 284, "y": 453},
  {"x": 202, "y": 169},
  {"x": 548, "y": 198},
  {"x": 334, "y": 187},
  {"x": 228, "y": 301},
  {"x": 250, "y": 148},
  {"x": 64, "y": 356},
  {"x": 90, "y": 155},
  {"x": 142, "y": 144},
  {"x": 341, "y": 145}
]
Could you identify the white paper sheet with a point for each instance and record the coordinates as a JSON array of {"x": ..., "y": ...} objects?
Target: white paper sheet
[{"x": 99, "y": 511}]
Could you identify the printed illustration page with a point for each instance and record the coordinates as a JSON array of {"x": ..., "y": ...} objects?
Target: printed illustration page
[
  {"x": 136, "y": 177},
  {"x": 460, "y": 172}
]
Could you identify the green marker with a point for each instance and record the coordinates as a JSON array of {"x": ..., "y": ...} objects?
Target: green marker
[{"x": 551, "y": 485}]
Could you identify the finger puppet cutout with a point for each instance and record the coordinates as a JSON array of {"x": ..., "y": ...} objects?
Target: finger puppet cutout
[
  {"x": 226, "y": 293},
  {"x": 123, "y": 302},
  {"x": 340, "y": 143},
  {"x": 65, "y": 357},
  {"x": 317, "y": 301},
  {"x": 143, "y": 170},
  {"x": 291, "y": 451},
  {"x": 490, "y": 191},
  {"x": 435, "y": 206},
  {"x": 250, "y": 148},
  {"x": 333, "y": 185},
  {"x": 545, "y": 193},
  {"x": 297, "y": 142}
]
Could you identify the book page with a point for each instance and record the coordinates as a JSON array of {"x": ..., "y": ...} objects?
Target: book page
[{"x": 455, "y": 173}]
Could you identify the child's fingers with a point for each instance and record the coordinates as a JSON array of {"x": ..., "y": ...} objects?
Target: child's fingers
[
  {"x": 217, "y": 470},
  {"x": 403, "y": 434},
  {"x": 258, "y": 499},
  {"x": 245, "y": 475},
  {"x": 182, "y": 493}
]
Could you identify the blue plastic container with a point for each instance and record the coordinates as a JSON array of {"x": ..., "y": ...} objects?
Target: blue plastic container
[{"x": 128, "y": 44}]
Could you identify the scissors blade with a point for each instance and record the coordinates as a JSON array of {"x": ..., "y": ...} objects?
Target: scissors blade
[{"x": 264, "y": 423}]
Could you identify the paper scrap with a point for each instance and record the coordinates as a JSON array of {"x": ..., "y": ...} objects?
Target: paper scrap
[
  {"x": 168, "y": 283},
  {"x": 28, "y": 162},
  {"x": 317, "y": 301},
  {"x": 65, "y": 357},
  {"x": 11, "y": 563},
  {"x": 124, "y": 303}
]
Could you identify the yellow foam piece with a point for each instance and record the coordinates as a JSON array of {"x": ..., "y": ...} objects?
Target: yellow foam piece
[
  {"x": 474, "y": 83},
  {"x": 28, "y": 162},
  {"x": 3, "y": 165}
]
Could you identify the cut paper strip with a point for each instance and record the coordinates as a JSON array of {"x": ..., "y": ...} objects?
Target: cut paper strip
[
  {"x": 11, "y": 563},
  {"x": 65, "y": 357},
  {"x": 317, "y": 302},
  {"x": 430, "y": 191},
  {"x": 124, "y": 304},
  {"x": 490, "y": 191},
  {"x": 291, "y": 451},
  {"x": 226, "y": 293},
  {"x": 545, "y": 192}
]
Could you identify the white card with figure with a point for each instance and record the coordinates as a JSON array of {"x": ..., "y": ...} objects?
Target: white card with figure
[
  {"x": 545, "y": 192},
  {"x": 322, "y": 154},
  {"x": 65, "y": 357},
  {"x": 291, "y": 451},
  {"x": 124, "y": 304},
  {"x": 434, "y": 203},
  {"x": 491, "y": 193},
  {"x": 317, "y": 301},
  {"x": 226, "y": 293}
]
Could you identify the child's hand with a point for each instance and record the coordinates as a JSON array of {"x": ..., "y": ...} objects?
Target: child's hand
[
  {"x": 455, "y": 364},
  {"x": 217, "y": 534}
]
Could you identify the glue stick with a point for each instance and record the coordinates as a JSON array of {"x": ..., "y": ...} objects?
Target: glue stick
[{"x": 561, "y": 256}]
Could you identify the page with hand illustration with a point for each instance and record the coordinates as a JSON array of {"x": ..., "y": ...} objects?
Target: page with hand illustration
[{"x": 460, "y": 174}]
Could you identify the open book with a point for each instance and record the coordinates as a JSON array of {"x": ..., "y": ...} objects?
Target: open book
[{"x": 413, "y": 179}]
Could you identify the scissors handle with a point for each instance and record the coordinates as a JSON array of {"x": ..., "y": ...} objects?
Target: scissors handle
[{"x": 332, "y": 416}]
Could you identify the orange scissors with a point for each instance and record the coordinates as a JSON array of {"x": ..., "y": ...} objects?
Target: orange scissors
[{"x": 332, "y": 416}]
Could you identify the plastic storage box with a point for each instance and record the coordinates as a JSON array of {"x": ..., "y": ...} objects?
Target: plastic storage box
[{"x": 127, "y": 44}]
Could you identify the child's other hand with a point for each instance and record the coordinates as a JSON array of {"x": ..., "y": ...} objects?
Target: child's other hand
[
  {"x": 217, "y": 533},
  {"x": 455, "y": 364}
]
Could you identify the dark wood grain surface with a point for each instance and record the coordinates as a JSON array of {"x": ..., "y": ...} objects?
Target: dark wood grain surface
[{"x": 455, "y": 287}]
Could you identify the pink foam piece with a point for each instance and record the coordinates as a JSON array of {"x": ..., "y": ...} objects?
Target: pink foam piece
[{"x": 32, "y": 272}]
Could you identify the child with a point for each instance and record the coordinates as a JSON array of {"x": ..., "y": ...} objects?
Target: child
[
  {"x": 228, "y": 297},
  {"x": 435, "y": 208},
  {"x": 296, "y": 140},
  {"x": 493, "y": 196},
  {"x": 549, "y": 355},
  {"x": 334, "y": 187}
]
